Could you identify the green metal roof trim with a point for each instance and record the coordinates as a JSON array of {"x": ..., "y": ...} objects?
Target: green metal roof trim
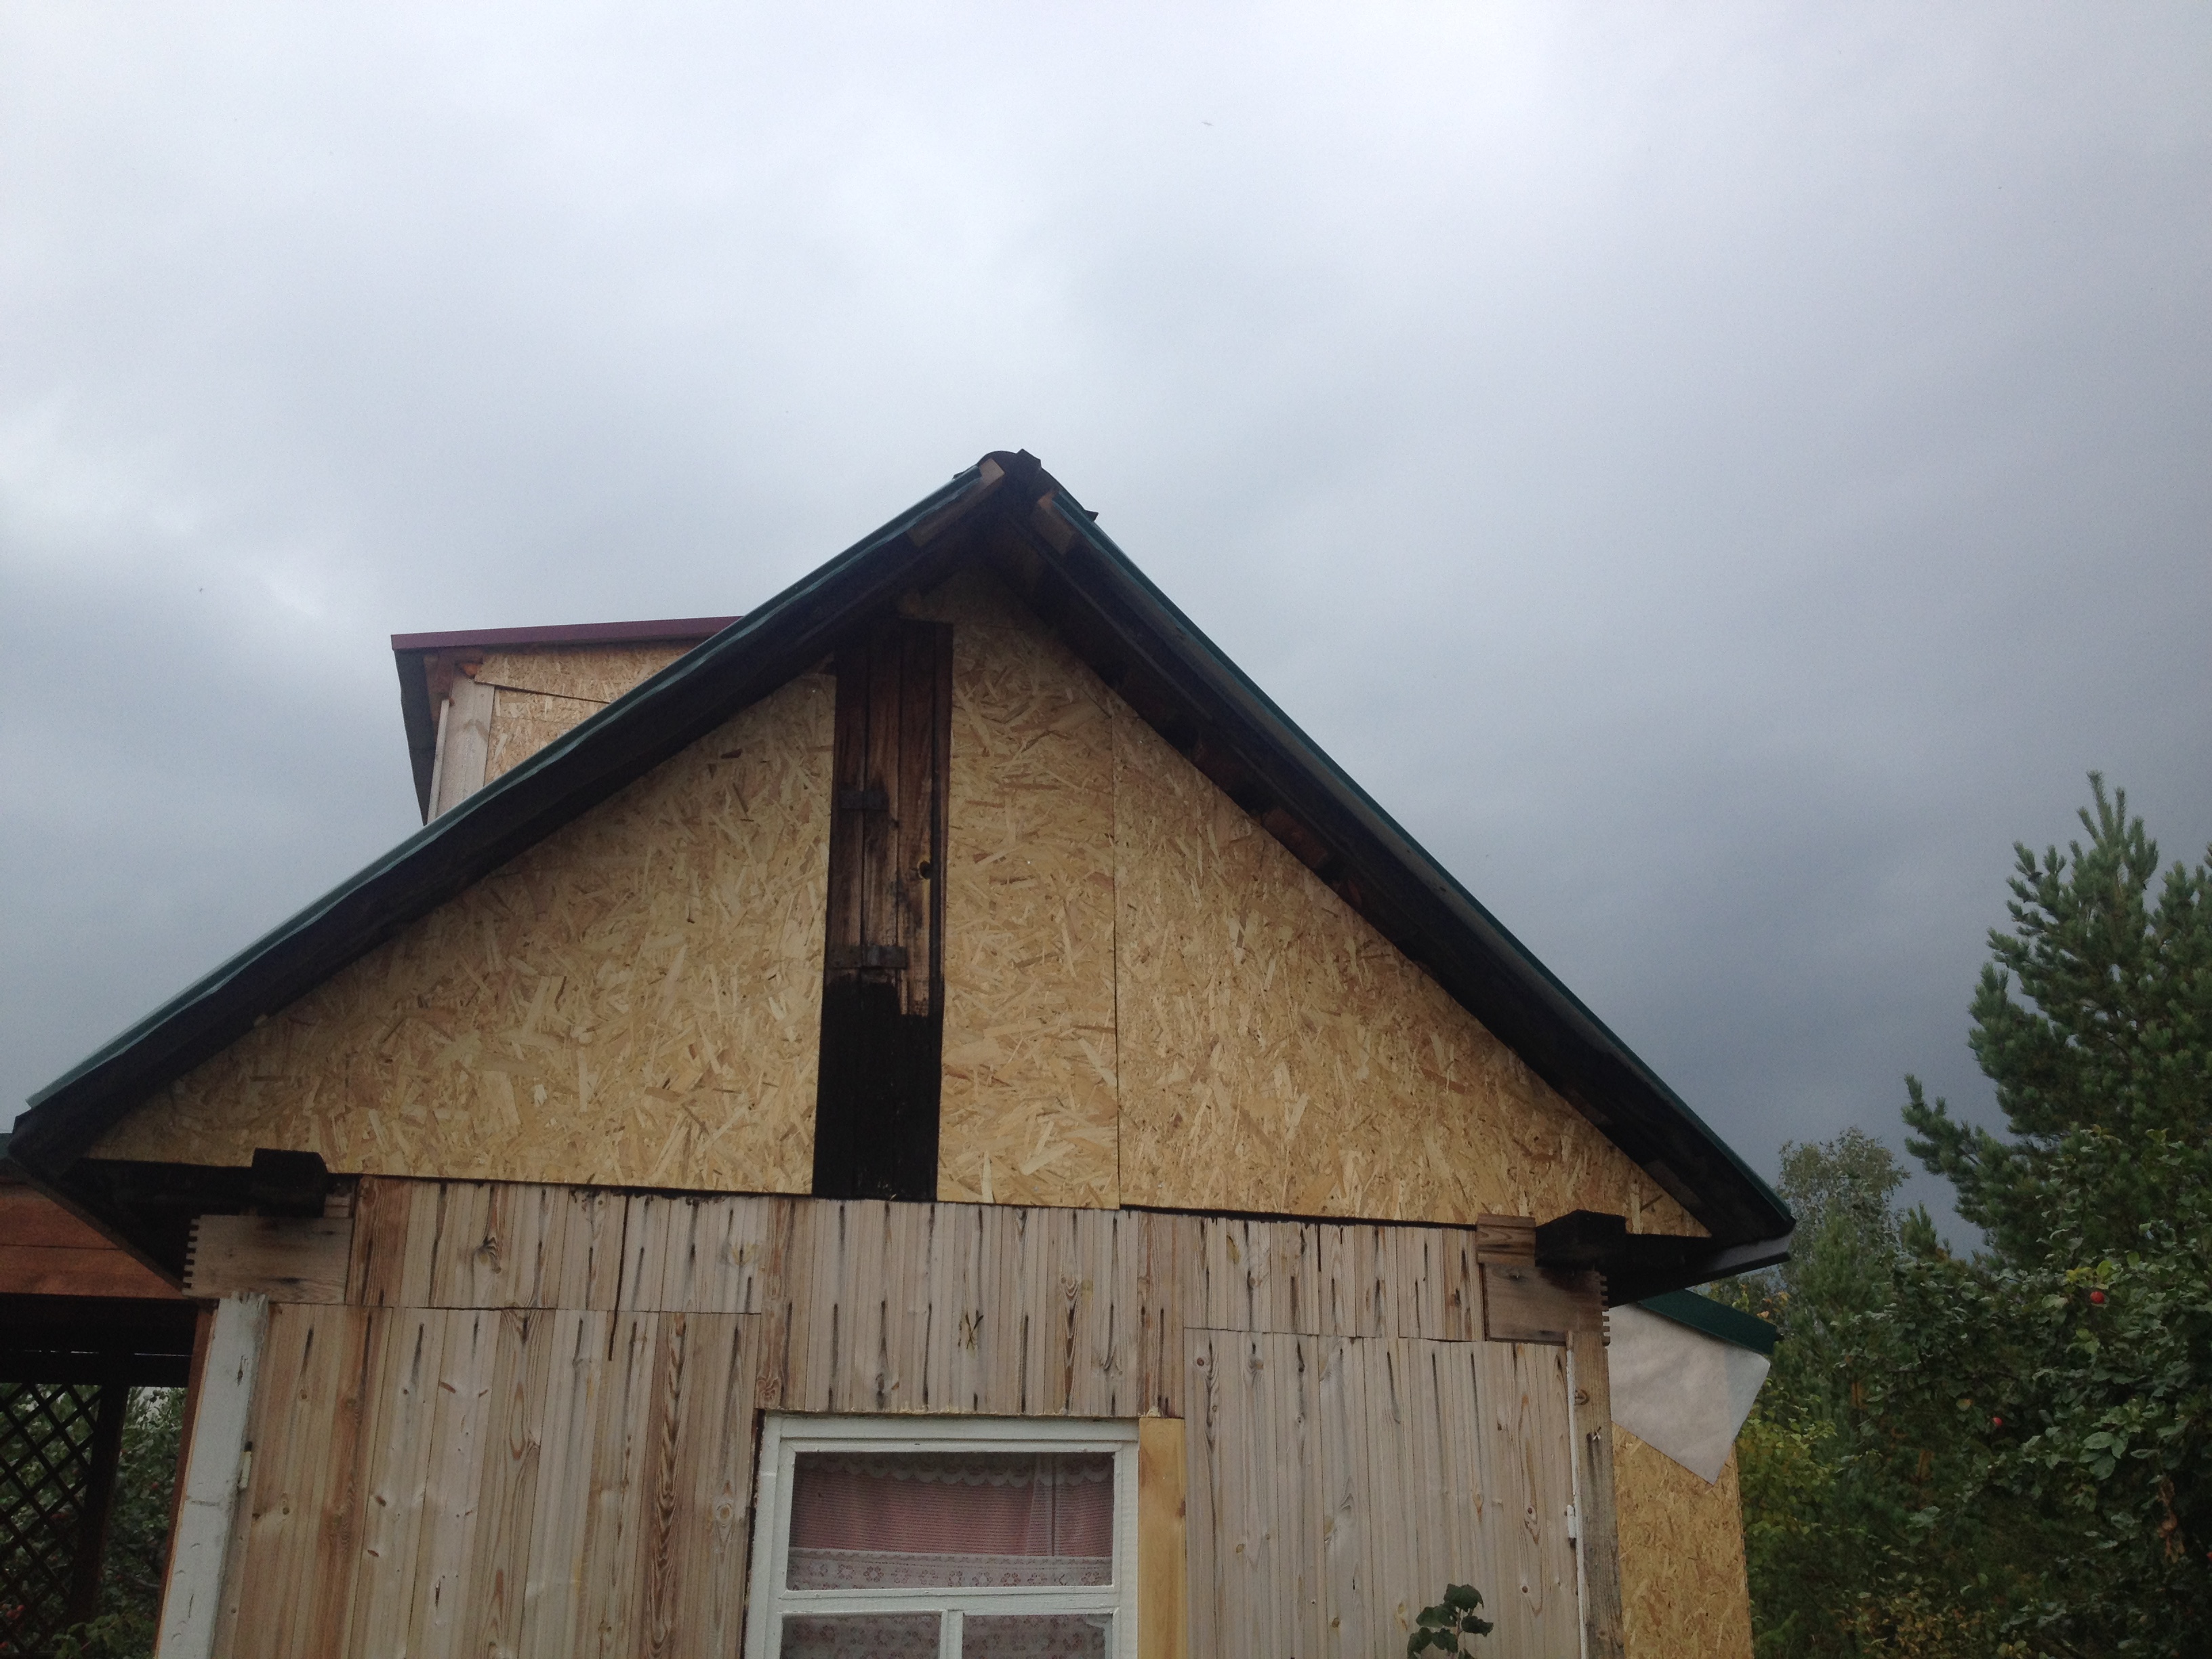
[
  {"x": 1716, "y": 1319},
  {"x": 1410, "y": 852},
  {"x": 1009, "y": 512},
  {"x": 38, "y": 1136}
]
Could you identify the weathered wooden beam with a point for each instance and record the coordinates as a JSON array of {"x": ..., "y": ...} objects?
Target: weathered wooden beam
[{"x": 1163, "y": 1581}]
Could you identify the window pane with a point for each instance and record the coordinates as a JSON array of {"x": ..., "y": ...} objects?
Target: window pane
[
  {"x": 972, "y": 1520},
  {"x": 1035, "y": 1635},
  {"x": 861, "y": 1636}
]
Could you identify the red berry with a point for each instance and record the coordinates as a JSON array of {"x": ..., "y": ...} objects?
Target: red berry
[
  {"x": 1997, "y": 1422},
  {"x": 2096, "y": 1297}
]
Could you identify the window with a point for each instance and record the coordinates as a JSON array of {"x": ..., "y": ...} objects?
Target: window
[{"x": 945, "y": 1538}]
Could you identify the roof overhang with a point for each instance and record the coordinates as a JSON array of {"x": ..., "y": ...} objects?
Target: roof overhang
[
  {"x": 1008, "y": 512},
  {"x": 428, "y": 662}
]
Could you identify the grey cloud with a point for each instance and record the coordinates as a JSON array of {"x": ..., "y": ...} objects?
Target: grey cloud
[{"x": 1718, "y": 477}]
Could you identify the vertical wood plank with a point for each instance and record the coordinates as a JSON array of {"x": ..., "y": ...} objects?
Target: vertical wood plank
[
  {"x": 397, "y": 1478},
  {"x": 1294, "y": 1386},
  {"x": 1354, "y": 1292},
  {"x": 1345, "y": 1492},
  {"x": 490, "y": 1622},
  {"x": 956, "y": 1307},
  {"x": 697, "y": 1546},
  {"x": 1003, "y": 1331},
  {"x": 1436, "y": 1488},
  {"x": 1208, "y": 1456},
  {"x": 1251, "y": 1590},
  {"x": 461, "y": 1403},
  {"x": 383, "y": 1212},
  {"x": 192, "y": 1599},
  {"x": 1049, "y": 1295},
  {"x": 566, "y": 1382},
  {"x": 649, "y": 1223},
  {"x": 1393, "y": 1570},
  {"x": 462, "y": 1241},
  {"x": 299, "y": 1524},
  {"x": 1110, "y": 1246},
  {"x": 926, "y": 717},
  {"x": 880, "y": 887},
  {"x": 913, "y": 1245},
  {"x": 1162, "y": 1366},
  {"x": 729, "y": 1247},
  {"x": 584, "y": 1252},
  {"x": 1163, "y": 1589},
  {"x": 1413, "y": 1265},
  {"x": 817, "y": 1266},
  {"x": 345, "y": 1452},
  {"x": 1599, "y": 1541},
  {"x": 1462, "y": 1281},
  {"x": 607, "y": 1599},
  {"x": 1507, "y": 1482}
]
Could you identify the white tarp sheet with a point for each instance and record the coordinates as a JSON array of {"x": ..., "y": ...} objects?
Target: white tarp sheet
[{"x": 1679, "y": 1390}]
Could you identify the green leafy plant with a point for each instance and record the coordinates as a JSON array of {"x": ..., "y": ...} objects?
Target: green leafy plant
[
  {"x": 1450, "y": 1625},
  {"x": 2006, "y": 1453}
]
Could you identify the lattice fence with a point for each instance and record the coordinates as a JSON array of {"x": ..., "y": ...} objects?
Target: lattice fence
[{"x": 57, "y": 1451}]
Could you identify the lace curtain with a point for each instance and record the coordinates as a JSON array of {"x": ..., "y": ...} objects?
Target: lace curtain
[{"x": 974, "y": 1521}]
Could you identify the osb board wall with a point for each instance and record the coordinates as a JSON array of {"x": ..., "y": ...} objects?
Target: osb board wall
[
  {"x": 524, "y": 722},
  {"x": 541, "y": 694},
  {"x": 636, "y": 999},
  {"x": 1150, "y": 1000},
  {"x": 596, "y": 673},
  {"x": 1683, "y": 1585},
  {"x": 1277, "y": 1052},
  {"x": 1029, "y": 1107}
]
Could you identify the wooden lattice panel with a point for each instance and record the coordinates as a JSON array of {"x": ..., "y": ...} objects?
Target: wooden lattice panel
[{"x": 55, "y": 1467}]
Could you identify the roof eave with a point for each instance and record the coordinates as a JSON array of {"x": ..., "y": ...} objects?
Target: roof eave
[
  {"x": 1411, "y": 897},
  {"x": 571, "y": 774}
]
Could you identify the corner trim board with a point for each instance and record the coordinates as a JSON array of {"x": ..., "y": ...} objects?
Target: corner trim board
[{"x": 215, "y": 1473}]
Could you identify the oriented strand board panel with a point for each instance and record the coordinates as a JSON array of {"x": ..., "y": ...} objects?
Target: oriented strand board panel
[
  {"x": 596, "y": 673},
  {"x": 634, "y": 1002},
  {"x": 1682, "y": 1577},
  {"x": 1029, "y": 1106},
  {"x": 524, "y": 722},
  {"x": 1277, "y": 1052},
  {"x": 542, "y": 693}
]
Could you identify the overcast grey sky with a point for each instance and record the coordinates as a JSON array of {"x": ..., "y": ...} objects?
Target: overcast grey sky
[{"x": 1720, "y": 474}]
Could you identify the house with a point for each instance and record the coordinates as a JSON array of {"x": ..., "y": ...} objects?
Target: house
[{"x": 935, "y": 1121}]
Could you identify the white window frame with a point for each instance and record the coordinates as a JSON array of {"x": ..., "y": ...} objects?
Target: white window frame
[{"x": 784, "y": 1435}]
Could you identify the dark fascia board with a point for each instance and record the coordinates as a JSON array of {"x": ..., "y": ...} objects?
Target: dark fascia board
[
  {"x": 684, "y": 702},
  {"x": 411, "y": 654},
  {"x": 615, "y": 633},
  {"x": 1131, "y": 633}
]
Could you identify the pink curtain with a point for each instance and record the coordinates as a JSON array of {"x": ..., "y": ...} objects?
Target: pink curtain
[{"x": 970, "y": 1520}]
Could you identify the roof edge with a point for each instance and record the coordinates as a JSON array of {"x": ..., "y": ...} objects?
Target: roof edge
[
  {"x": 612, "y": 633},
  {"x": 100, "y": 1088},
  {"x": 1360, "y": 808}
]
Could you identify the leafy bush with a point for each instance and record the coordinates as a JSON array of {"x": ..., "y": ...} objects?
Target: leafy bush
[{"x": 1450, "y": 1625}]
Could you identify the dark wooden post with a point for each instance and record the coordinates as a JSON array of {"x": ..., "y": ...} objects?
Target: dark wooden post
[
  {"x": 1598, "y": 1543},
  {"x": 98, "y": 1500},
  {"x": 883, "y": 979}
]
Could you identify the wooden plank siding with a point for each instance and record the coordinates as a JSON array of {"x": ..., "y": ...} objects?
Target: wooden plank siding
[
  {"x": 46, "y": 1251},
  {"x": 530, "y": 1429}
]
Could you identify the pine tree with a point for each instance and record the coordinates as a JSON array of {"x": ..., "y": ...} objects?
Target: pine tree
[{"x": 2114, "y": 1034}]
